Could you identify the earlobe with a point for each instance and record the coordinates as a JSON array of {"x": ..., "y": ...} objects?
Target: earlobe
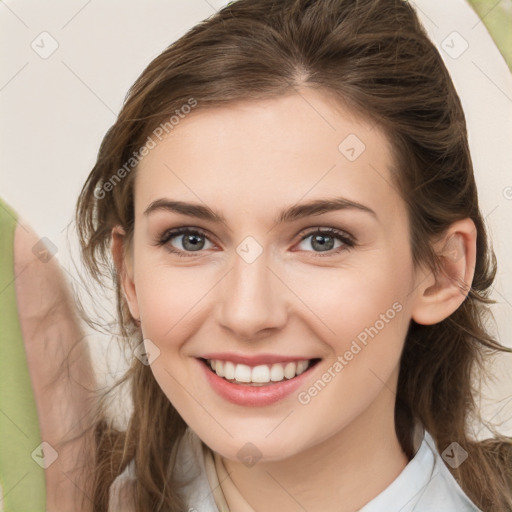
[
  {"x": 437, "y": 297},
  {"x": 124, "y": 267}
]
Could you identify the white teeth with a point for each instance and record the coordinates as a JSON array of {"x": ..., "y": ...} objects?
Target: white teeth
[
  {"x": 290, "y": 370},
  {"x": 242, "y": 373},
  {"x": 276, "y": 372},
  {"x": 302, "y": 367},
  {"x": 229, "y": 370},
  {"x": 261, "y": 374}
]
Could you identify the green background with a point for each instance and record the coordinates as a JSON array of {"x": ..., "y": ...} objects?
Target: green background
[{"x": 497, "y": 17}]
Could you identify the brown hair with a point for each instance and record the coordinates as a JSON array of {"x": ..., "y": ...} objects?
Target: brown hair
[{"x": 374, "y": 56}]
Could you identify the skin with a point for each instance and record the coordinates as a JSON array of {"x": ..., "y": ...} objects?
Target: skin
[{"x": 250, "y": 161}]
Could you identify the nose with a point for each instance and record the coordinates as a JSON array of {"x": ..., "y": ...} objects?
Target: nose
[{"x": 253, "y": 300}]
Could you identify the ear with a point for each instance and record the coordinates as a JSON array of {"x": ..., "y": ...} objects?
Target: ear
[
  {"x": 124, "y": 266},
  {"x": 438, "y": 296}
]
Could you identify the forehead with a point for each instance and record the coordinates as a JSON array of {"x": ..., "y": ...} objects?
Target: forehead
[{"x": 251, "y": 156}]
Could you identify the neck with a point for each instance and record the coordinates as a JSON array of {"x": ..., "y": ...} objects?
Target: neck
[{"x": 341, "y": 473}]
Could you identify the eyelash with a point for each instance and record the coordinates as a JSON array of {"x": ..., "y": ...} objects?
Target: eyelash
[{"x": 348, "y": 242}]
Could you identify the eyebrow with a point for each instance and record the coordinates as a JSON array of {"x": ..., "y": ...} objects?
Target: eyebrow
[{"x": 295, "y": 212}]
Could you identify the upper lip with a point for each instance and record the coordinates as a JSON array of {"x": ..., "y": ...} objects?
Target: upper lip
[{"x": 254, "y": 360}]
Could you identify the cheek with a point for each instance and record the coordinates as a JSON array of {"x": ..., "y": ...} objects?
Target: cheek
[
  {"x": 362, "y": 317},
  {"x": 369, "y": 328},
  {"x": 357, "y": 300},
  {"x": 368, "y": 309},
  {"x": 168, "y": 298}
]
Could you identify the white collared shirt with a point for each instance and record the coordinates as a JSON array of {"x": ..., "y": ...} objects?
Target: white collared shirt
[{"x": 424, "y": 485}]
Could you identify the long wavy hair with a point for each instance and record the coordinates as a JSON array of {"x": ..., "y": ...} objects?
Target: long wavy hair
[{"x": 374, "y": 57}]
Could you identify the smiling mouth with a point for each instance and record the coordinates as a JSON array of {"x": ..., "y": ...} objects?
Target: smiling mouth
[{"x": 261, "y": 375}]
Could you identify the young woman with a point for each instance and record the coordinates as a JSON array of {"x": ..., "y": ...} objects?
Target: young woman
[{"x": 288, "y": 203}]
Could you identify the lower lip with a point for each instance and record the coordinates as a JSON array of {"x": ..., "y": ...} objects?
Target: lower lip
[{"x": 254, "y": 396}]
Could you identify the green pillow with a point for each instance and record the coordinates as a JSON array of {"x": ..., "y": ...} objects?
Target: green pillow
[
  {"x": 497, "y": 17},
  {"x": 22, "y": 478}
]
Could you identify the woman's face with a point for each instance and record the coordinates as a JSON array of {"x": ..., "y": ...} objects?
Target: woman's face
[{"x": 263, "y": 277}]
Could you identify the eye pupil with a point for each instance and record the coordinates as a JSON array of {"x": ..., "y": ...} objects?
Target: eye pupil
[
  {"x": 193, "y": 242},
  {"x": 323, "y": 245}
]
